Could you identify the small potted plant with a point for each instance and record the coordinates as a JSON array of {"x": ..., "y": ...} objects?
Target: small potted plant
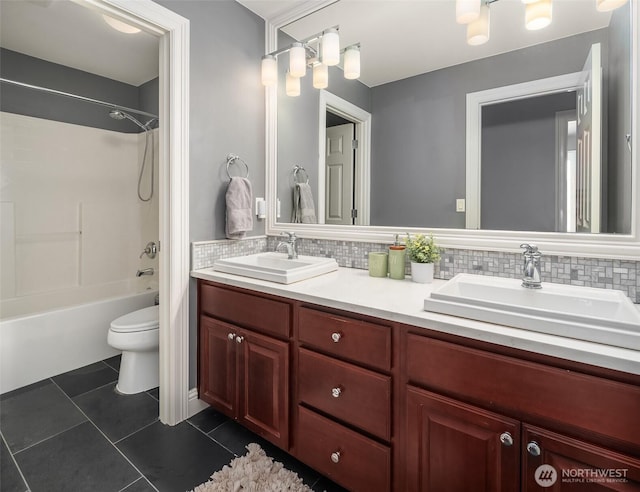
[{"x": 423, "y": 253}]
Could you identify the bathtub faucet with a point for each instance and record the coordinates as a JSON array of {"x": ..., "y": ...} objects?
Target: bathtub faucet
[{"x": 146, "y": 271}]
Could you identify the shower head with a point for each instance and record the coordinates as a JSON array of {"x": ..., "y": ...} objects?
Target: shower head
[{"x": 119, "y": 115}]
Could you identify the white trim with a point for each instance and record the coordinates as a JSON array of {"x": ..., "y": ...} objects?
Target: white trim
[
  {"x": 362, "y": 184},
  {"x": 617, "y": 246},
  {"x": 174, "y": 193},
  {"x": 196, "y": 405}
]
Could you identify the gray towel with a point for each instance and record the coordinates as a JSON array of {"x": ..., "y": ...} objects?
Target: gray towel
[
  {"x": 304, "y": 210},
  {"x": 239, "y": 197}
]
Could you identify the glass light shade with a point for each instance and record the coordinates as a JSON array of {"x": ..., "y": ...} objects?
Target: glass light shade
[
  {"x": 118, "y": 25},
  {"x": 607, "y": 5},
  {"x": 467, "y": 11},
  {"x": 330, "y": 48},
  {"x": 320, "y": 76},
  {"x": 292, "y": 86},
  {"x": 537, "y": 15},
  {"x": 478, "y": 30},
  {"x": 269, "y": 73},
  {"x": 297, "y": 60},
  {"x": 352, "y": 62}
]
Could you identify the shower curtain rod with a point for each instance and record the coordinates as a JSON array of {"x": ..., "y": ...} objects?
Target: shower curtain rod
[{"x": 75, "y": 96}]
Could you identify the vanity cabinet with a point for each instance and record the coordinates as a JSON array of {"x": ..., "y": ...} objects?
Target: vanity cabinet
[
  {"x": 244, "y": 373},
  {"x": 344, "y": 399}
]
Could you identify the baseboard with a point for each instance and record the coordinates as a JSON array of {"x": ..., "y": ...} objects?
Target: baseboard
[{"x": 195, "y": 404}]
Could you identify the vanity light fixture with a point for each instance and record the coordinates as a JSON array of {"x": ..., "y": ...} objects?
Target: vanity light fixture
[
  {"x": 478, "y": 30},
  {"x": 319, "y": 52},
  {"x": 118, "y": 25},
  {"x": 537, "y": 15},
  {"x": 467, "y": 11},
  {"x": 607, "y": 5}
]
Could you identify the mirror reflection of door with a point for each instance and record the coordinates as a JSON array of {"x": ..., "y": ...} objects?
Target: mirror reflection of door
[{"x": 339, "y": 171}]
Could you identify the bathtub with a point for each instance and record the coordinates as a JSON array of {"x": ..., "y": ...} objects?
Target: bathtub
[{"x": 40, "y": 339}]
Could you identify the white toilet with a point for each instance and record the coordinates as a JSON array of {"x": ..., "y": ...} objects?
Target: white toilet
[{"x": 137, "y": 334}]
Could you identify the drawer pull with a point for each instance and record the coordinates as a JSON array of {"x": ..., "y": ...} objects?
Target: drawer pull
[
  {"x": 506, "y": 439},
  {"x": 336, "y": 392},
  {"x": 336, "y": 336},
  {"x": 231, "y": 336},
  {"x": 533, "y": 448},
  {"x": 335, "y": 456},
  {"x": 239, "y": 339}
]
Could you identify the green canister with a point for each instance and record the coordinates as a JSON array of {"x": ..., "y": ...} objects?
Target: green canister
[
  {"x": 396, "y": 262},
  {"x": 378, "y": 264}
]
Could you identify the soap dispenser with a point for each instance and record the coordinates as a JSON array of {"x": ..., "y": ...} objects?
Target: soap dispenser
[{"x": 396, "y": 260}]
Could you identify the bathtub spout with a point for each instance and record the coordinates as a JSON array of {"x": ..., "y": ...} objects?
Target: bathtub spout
[{"x": 146, "y": 271}]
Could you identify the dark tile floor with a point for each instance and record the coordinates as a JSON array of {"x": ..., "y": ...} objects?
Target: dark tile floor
[{"x": 74, "y": 433}]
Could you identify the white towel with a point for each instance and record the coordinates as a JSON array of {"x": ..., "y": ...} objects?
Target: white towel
[
  {"x": 304, "y": 209},
  {"x": 239, "y": 219}
]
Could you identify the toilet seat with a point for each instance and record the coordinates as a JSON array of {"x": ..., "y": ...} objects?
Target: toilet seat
[{"x": 141, "y": 320}]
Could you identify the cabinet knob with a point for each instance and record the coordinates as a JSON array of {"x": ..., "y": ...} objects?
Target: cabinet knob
[
  {"x": 533, "y": 448},
  {"x": 335, "y": 456},
  {"x": 336, "y": 337},
  {"x": 231, "y": 336},
  {"x": 336, "y": 392},
  {"x": 239, "y": 339},
  {"x": 506, "y": 439}
]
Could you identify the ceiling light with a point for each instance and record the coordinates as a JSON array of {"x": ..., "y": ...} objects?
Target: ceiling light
[
  {"x": 269, "y": 70},
  {"x": 537, "y": 15},
  {"x": 607, "y": 5},
  {"x": 320, "y": 76},
  {"x": 352, "y": 62},
  {"x": 292, "y": 86},
  {"x": 330, "y": 47},
  {"x": 118, "y": 25},
  {"x": 478, "y": 30},
  {"x": 467, "y": 11},
  {"x": 297, "y": 60}
]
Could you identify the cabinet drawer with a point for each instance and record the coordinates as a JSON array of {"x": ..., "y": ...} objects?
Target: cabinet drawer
[
  {"x": 349, "y": 393},
  {"x": 362, "y": 464},
  {"x": 266, "y": 315},
  {"x": 527, "y": 390},
  {"x": 358, "y": 341}
]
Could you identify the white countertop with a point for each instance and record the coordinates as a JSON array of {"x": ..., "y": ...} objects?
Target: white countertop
[{"x": 354, "y": 290}]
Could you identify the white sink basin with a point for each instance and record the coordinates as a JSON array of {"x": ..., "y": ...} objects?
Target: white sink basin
[
  {"x": 275, "y": 267},
  {"x": 597, "y": 315}
]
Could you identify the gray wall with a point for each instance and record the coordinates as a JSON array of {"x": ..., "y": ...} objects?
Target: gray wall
[
  {"x": 226, "y": 115},
  {"x": 22, "y": 68},
  {"x": 418, "y": 129},
  {"x": 519, "y": 163},
  {"x": 619, "y": 124}
]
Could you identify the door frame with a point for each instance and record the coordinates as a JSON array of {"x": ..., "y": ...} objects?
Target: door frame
[
  {"x": 173, "y": 165},
  {"x": 362, "y": 181}
]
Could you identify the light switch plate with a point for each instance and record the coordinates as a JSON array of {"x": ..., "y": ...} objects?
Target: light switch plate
[{"x": 460, "y": 205}]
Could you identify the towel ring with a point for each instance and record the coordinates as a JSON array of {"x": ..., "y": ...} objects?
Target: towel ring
[
  {"x": 232, "y": 158},
  {"x": 299, "y": 169}
]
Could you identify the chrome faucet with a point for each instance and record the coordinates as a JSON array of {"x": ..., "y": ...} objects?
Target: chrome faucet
[
  {"x": 146, "y": 271},
  {"x": 531, "y": 268},
  {"x": 290, "y": 244}
]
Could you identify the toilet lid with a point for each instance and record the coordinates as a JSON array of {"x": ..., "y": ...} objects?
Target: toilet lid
[{"x": 141, "y": 320}]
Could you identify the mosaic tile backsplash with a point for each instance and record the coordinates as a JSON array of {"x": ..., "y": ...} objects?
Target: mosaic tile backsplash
[{"x": 590, "y": 272}]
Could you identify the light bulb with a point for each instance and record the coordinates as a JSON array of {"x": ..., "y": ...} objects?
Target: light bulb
[
  {"x": 352, "y": 62},
  {"x": 269, "y": 70},
  {"x": 320, "y": 76},
  {"x": 537, "y": 15},
  {"x": 607, "y": 5},
  {"x": 478, "y": 30},
  {"x": 297, "y": 60},
  {"x": 292, "y": 86},
  {"x": 330, "y": 48},
  {"x": 467, "y": 11}
]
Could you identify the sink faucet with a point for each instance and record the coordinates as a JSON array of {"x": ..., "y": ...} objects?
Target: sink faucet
[
  {"x": 531, "y": 267},
  {"x": 290, "y": 244},
  {"x": 146, "y": 271}
]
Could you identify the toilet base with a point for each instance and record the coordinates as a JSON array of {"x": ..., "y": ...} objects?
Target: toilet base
[{"x": 139, "y": 371}]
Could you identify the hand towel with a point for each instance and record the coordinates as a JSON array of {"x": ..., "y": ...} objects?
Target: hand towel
[
  {"x": 304, "y": 210},
  {"x": 239, "y": 197}
]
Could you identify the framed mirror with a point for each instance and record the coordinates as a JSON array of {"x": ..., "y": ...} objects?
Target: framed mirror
[{"x": 428, "y": 149}]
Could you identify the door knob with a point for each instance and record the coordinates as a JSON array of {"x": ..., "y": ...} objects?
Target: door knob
[
  {"x": 506, "y": 439},
  {"x": 239, "y": 339},
  {"x": 336, "y": 337},
  {"x": 335, "y": 456},
  {"x": 231, "y": 336},
  {"x": 534, "y": 449},
  {"x": 336, "y": 392}
]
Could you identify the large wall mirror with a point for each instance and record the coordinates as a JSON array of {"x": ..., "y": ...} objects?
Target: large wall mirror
[{"x": 528, "y": 135}]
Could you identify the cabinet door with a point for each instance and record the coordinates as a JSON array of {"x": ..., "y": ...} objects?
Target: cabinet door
[
  {"x": 264, "y": 381},
  {"x": 455, "y": 447},
  {"x": 555, "y": 463},
  {"x": 217, "y": 375}
]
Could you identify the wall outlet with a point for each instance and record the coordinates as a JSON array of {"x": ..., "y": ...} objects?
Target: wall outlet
[
  {"x": 460, "y": 205},
  {"x": 261, "y": 208}
]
